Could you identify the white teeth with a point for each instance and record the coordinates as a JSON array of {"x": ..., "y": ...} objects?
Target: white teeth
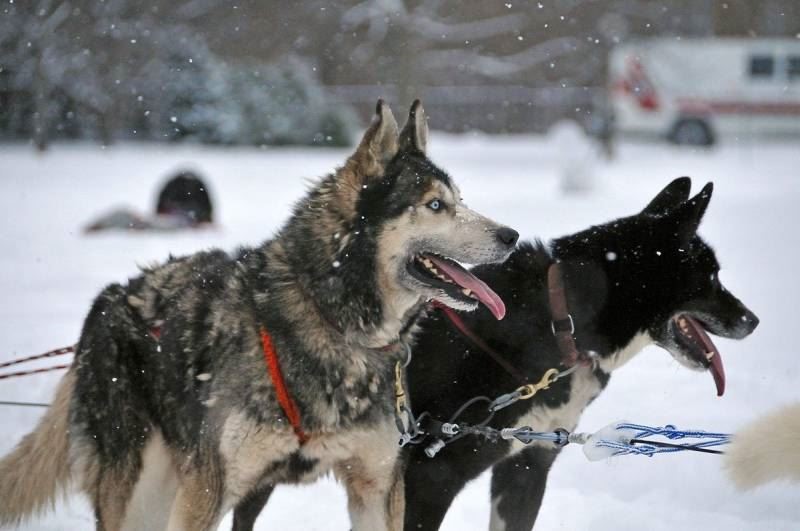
[
  {"x": 709, "y": 355},
  {"x": 466, "y": 291},
  {"x": 432, "y": 268},
  {"x": 429, "y": 265}
]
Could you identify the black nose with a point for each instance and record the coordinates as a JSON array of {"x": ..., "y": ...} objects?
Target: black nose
[
  {"x": 751, "y": 320},
  {"x": 507, "y": 235}
]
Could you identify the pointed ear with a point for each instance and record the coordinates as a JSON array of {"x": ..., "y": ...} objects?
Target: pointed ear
[
  {"x": 379, "y": 143},
  {"x": 687, "y": 216},
  {"x": 671, "y": 196},
  {"x": 414, "y": 136}
]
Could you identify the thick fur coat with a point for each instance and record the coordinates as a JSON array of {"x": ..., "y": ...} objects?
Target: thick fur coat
[
  {"x": 629, "y": 283},
  {"x": 169, "y": 416}
]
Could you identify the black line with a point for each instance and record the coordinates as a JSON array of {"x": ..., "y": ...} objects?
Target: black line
[
  {"x": 681, "y": 446},
  {"x": 24, "y": 404}
]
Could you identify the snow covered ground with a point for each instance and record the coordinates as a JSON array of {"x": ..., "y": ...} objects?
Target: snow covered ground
[{"x": 50, "y": 271}]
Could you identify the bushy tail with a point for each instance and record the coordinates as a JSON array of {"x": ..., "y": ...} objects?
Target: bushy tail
[
  {"x": 766, "y": 450},
  {"x": 38, "y": 468}
]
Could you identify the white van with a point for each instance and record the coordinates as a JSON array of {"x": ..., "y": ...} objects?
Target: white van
[{"x": 693, "y": 91}]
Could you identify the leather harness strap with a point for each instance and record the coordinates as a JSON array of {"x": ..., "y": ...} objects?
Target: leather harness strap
[
  {"x": 284, "y": 398},
  {"x": 561, "y": 324},
  {"x": 480, "y": 343}
]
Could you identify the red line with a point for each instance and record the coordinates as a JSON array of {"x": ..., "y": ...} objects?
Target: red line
[
  {"x": 34, "y": 371},
  {"x": 737, "y": 107},
  {"x": 284, "y": 399},
  {"x": 50, "y": 354}
]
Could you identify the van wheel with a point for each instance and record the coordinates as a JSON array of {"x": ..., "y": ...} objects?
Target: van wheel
[{"x": 692, "y": 132}]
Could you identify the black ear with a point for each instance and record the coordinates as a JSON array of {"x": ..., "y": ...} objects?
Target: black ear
[
  {"x": 414, "y": 135},
  {"x": 671, "y": 196},
  {"x": 687, "y": 216}
]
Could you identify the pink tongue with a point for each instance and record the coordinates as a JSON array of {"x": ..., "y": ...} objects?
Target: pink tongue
[
  {"x": 480, "y": 290},
  {"x": 716, "y": 367},
  {"x": 718, "y": 372}
]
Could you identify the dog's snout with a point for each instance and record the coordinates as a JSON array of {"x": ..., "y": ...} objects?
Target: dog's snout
[
  {"x": 507, "y": 236},
  {"x": 750, "y": 320}
]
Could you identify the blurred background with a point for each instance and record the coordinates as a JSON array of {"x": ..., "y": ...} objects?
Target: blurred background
[{"x": 269, "y": 72}]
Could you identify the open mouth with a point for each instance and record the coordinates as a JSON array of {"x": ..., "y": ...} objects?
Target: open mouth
[
  {"x": 695, "y": 344},
  {"x": 456, "y": 282}
]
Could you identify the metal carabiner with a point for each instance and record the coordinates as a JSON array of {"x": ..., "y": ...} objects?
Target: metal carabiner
[{"x": 528, "y": 391}]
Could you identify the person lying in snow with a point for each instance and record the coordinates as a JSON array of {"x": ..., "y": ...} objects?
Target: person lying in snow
[{"x": 183, "y": 203}]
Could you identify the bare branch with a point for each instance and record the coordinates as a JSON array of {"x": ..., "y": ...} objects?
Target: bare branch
[
  {"x": 53, "y": 21},
  {"x": 492, "y": 66},
  {"x": 460, "y": 32},
  {"x": 196, "y": 8},
  {"x": 372, "y": 12}
]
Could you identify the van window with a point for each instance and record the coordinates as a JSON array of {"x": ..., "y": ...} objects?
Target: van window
[
  {"x": 793, "y": 67},
  {"x": 762, "y": 66}
]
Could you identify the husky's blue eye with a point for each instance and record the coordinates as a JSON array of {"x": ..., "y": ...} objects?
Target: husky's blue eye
[{"x": 435, "y": 204}]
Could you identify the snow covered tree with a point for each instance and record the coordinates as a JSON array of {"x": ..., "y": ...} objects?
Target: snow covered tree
[
  {"x": 113, "y": 71},
  {"x": 46, "y": 79},
  {"x": 285, "y": 104}
]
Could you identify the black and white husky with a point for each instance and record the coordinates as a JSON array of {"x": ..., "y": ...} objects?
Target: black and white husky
[
  {"x": 212, "y": 375},
  {"x": 647, "y": 278}
]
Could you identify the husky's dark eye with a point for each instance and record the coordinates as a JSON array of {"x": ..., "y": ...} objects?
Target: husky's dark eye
[{"x": 435, "y": 204}]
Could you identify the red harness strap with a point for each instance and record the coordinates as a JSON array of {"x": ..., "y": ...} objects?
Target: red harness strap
[
  {"x": 465, "y": 330},
  {"x": 284, "y": 399}
]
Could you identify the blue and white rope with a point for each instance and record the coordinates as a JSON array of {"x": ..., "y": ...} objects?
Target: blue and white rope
[
  {"x": 650, "y": 450},
  {"x": 669, "y": 431}
]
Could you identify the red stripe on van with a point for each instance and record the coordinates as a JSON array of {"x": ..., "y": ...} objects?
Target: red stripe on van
[{"x": 695, "y": 106}]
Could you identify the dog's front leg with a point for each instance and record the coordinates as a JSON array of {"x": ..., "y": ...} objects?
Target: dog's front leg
[
  {"x": 518, "y": 485},
  {"x": 374, "y": 483},
  {"x": 248, "y": 509},
  {"x": 198, "y": 504},
  {"x": 375, "y": 496}
]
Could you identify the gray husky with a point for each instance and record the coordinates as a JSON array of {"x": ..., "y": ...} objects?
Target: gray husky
[{"x": 212, "y": 375}]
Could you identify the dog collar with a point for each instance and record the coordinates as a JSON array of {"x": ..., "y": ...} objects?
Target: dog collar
[
  {"x": 389, "y": 347},
  {"x": 562, "y": 324}
]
